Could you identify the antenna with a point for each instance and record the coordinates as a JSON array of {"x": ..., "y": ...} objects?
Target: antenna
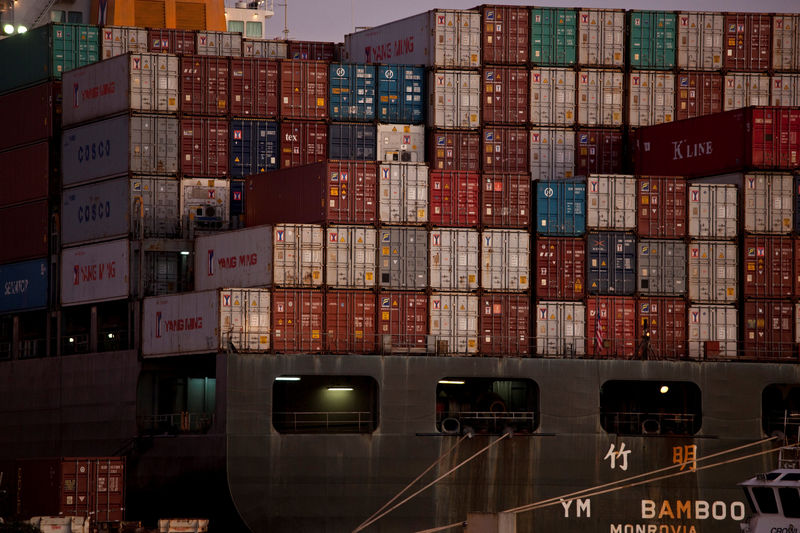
[{"x": 285, "y": 6}]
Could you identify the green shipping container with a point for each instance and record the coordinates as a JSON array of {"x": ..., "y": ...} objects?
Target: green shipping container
[
  {"x": 554, "y": 36},
  {"x": 652, "y": 39},
  {"x": 45, "y": 53}
]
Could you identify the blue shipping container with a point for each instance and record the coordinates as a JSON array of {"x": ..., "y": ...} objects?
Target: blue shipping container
[
  {"x": 561, "y": 207},
  {"x": 254, "y": 146},
  {"x": 401, "y": 91},
  {"x": 351, "y": 92},
  {"x": 352, "y": 142},
  {"x": 611, "y": 263},
  {"x": 23, "y": 286}
]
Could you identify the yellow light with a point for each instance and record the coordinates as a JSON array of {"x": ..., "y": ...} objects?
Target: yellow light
[
  {"x": 340, "y": 389},
  {"x": 450, "y": 382},
  {"x": 664, "y": 389},
  {"x": 287, "y": 378}
]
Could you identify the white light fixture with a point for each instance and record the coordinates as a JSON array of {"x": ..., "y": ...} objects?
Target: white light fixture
[
  {"x": 664, "y": 389},
  {"x": 287, "y": 378},
  {"x": 184, "y": 252},
  {"x": 21, "y": 29},
  {"x": 450, "y": 382},
  {"x": 8, "y": 28},
  {"x": 340, "y": 389},
  {"x": 71, "y": 339},
  {"x": 110, "y": 335}
]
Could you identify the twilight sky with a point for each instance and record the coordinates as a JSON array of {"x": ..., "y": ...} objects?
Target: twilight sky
[{"x": 330, "y": 20}]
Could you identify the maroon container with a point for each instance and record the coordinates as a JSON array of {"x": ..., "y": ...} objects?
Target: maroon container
[
  {"x": 93, "y": 487},
  {"x": 204, "y": 147},
  {"x": 314, "y": 50},
  {"x": 350, "y": 322},
  {"x": 24, "y": 174},
  {"x": 661, "y": 328},
  {"x": 254, "y": 87},
  {"x": 343, "y": 192},
  {"x": 304, "y": 89},
  {"x": 661, "y": 207},
  {"x": 303, "y": 143},
  {"x": 767, "y": 330},
  {"x": 506, "y": 200},
  {"x": 171, "y": 41},
  {"x": 747, "y": 43},
  {"x": 598, "y": 152},
  {"x": 505, "y": 34},
  {"x": 297, "y": 320},
  {"x": 560, "y": 268},
  {"x": 402, "y": 322},
  {"x": 505, "y": 149},
  {"x": 749, "y": 138},
  {"x": 768, "y": 266},
  {"x": 35, "y": 487},
  {"x": 698, "y": 94},
  {"x": 454, "y": 150},
  {"x": 25, "y": 230},
  {"x": 453, "y": 198},
  {"x": 615, "y": 335},
  {"x": 30, "y": 115},
  {"x": 505, "y": 95},
  {"x": 505, "y": 324},
  {"x": 204, "y": 85}
]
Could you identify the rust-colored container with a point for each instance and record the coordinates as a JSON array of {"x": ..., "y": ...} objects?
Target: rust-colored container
[
  {"x": 24, "y": 174},
  {"x": 303, "y": 143},
  {"x": 747, "y": 42},
  {"x": 560, "y": 268},
  {"x": 30, "y": 115},
  {"x": 93, "y": 487},
  {"x": 505, "y": 35},
  {"x": 304, "y": 89},
  {"x": 350, "y": 322},
  {"x": 402, "y": 322},
  {"x": 204, "y": 85},
  {"x": 453, "y": 198},
  {"x": 171, "y": 41},
  {"x": 598, "y": 151},
  {"x": 297, "y": 320},
  {"x": 204, "y": 147},
  {"x": 505, "y": 149},
  {"x": 769, "y": 267},
  {"x": 506, "y": 200},
  {"x": 254, "y": 87},
  {"x": 661, "y": 328},
  {"x": 454, "y": 150},
  {"x": 767, "y": 330},
  {"x": 505, "y": 95},
  {"x": 504, "y": 324},
  {"x": 343, "y": 192},
  {"x": 313, "y": 50},
  {"x": 611, "y": 327},
  {"x": 661, "y": 207},
  {"x": 25, "y": 231},
  {"x": 697, "y": 94}
]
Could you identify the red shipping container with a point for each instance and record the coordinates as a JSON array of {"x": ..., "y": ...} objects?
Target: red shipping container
[
  {"x": 505, "y": 34},
  {"x": 24, "y": 174},
  {"x": 402, "y": 322},
  {"x": 171, "y": 41},
  {"x": 297, "y": 316},
  {"x": 661, "y": 328},
  {"x": 768, "y": 266},
  {"x": 560, "y": 268},
  {"x": 768, "y": 330},
  {"x": 611, "y": 327},
  {"x": 747, "y": 41},
  {"x": 204, "y": 85},
  {"x": 303, "y": 143},
  {"x": 254, "y": 87},
  {"x": 598, "y": 152},
  {"x": 350, "y": 322},
  {"x": 30, "y": 115},
  {"x": 344, "y": 192},
  {"x": 25, "y": 230},
  {"x": 698, "y": 94},
  {"x": 749, "y": 138},
  {"x": 506, "y": 200},
  {"x": 453, "y": 198},
  {"x": 454, "y": 150},
  {"x": 505, "y": 149},
  {"x": 304, "y": 89},
  {"x": 505, "y": 95},
  {"x": 314, "y": 50},
  {"x": 505, "y": 324},
  {"x": 204, "y": 147},
  {"x": 93, "y": 487},
  {"x": 661, "y": 207}
]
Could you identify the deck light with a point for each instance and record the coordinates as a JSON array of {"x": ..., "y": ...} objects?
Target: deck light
[
  {"x": 184, "y": 252},
  {"x": 8, "y": 28},
  {"x": 450, "y": 382},
  {"x": 340, "y": 389},
  {"x": 664, "y": 389},
  {"x": 287, "y": 378}
]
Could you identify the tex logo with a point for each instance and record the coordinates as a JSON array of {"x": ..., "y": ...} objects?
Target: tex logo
[
  {"x": 385, "y": 301},
  {"x": 210, "y": 264},
  {"x": 76, "y": 95},
  {"x": 226, "y": 300},
  {"x": 237, "y": 135},
  {"x": 385, "y": 173},
  {"x": 158, "y": 324},
  {"x": 695, "y": 316},
  {"x": 280, "y": 235}
]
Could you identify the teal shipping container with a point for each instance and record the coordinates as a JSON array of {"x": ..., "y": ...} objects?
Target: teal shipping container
[
  {"x": 352, "y": 92},
  {"x": 561, "y": 207},
  {"x": 652, "y": 39},
  {"x": 554, "y": 36},
  {"x": 401, "y": 94},
  {"x": 45, "y": 53}
]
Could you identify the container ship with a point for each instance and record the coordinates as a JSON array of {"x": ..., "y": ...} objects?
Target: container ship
[{"x": 524, "y": 251}]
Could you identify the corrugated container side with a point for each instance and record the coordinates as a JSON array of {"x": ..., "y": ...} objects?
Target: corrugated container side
[
  {"x": 253, "y": 147},
  {"x": 401, "y": 143},
  {"x": 304, "y": 89},
  {"x": 748, "y": 41},
  {"x": 454, "y": 150},
  {"x": 35, "y": 114},
  {"x": 454, "y": 198},
  {"x": 172, "y": 41},
  {"x": 453, "y": 321},
  {"x": 505, "y": 260},
  {"x": 93, "y": 487},
  {"x": 768, "y": 203},
  {"x": 554, "y": 36},
  {"x": 506, "y": 200},
  {"x": 204, "y": 205},
  {"x": 552, "y": 96},
  {"x": 454, "y": 99},
  {"x": 611, "y": 258},
  {"x": 254, "y": 87},
  {"x": 154, "y": 205},
  {"x": 700, "y": 40},
  {"x": 25, "y": 285},
  {"x": 504, "y": 324},
  {"x": 561, "y": 207},
  {"x": 767, "y": 330},
  {"x": 204, "y": 147},
  {"x": 661, "y": 267},
  {"x": 601, "y": 37},
  {"x": 598, "y": 151},
  {"x": 713, "y": 211},
  {"x": 29, "y": 239},
  {"x": 204, "y": 85},
  {"x": 785, "y": 42},
  {"x": 652, "y": 39},
  {"x": 796, "y": 201},
  {"x": 237, "y": 203},
  {"x": 600, "y": 98},
  {"x": 454, "y": 259},
  {"x": 242, "y": 258},
  {"x": 769, "y": 267},
  {"x": 303, "y": 143},
  {"x": 561, "y": 329},
  {"x": 505, "y": 95},
  {"x": 95, "y": 273},
  {"x": 350, "y": 322},
  {"x": 746, "y": 89},
  {"x": 712, "y": 331},
  {"x": 352, "y": 141},
  {"x": 401, "y": 94},
  {"x": 403, "y": 193},
  {"x": 219, "y": 43},
  {"x": 350, "y": 257},
  {"x": 264, "y": 49},
  {"x": 552, "y": 153},
  {"x": 352, "y": 92},
  {"x": 713, "y": 272},
  {"x": 698, "y": 94},
  {"x": 506, "y": 149},
  {"x": 661, "y": 326},
  {"x": 119, "y": 40},
  {"x": 611, "y": 202},
  {"x": 611, "y": 327},
  {"x": 403, "y": 258},
  {"x": 312, "y": 50},
  {"x": 651, "y": 98},
  {"x": 402, "y": 322},
  {"x": 298, "y": 255},
  {"x": 245, "y": 319},
  {"x": 560, "y": 268},
  {"x": 785, "y": 90},
  {"x": 25, "y": 174},
  {"x": 661, "y": 207},
  {"x": 505, "y": 32}
]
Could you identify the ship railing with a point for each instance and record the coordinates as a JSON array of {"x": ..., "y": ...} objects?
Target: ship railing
[
  {"x": 175, "y": 423},
  {"x": 324, "y": 421},
  {"x": 486, "y": 421},
  {"x": 649, "y": 423}
]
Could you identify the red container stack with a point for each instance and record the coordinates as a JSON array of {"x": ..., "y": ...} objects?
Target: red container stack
[
  {"x": 30, "y": 115},
  {"x": 453, "y": 198},
  {"x": 312, "y": 50},
  {"x": 171, "y": 41},
  {"x": 303, "y": 143},
  {"x": 504, "y": 324},
  {"x": 767, "y": 330},
  {"x": 768, "y": 266},
  {"x": 661, "y": 328},
  {"x": 304, "y": 90},
  {"x": 598, "y": 151},
  {"x": 504, "y": 150},
  {"x": 661, "y": 207},
  {"x": 506, "y": 201},
  {"x": 560, "y": 268},
  {"x": 204, "y": 85},
  {"x": 454, "y": 150},
  {"x": 611, "y": 327},
  {"x": 402, "y": 322},
  {"x": 297, "y": 320},
  {"x": 204, "y": 147},
  {"x": 25, "y": 231},
  {"x": 698, "y": 94},
  {"x": 505, "y": 35},
  {"x": 747, "y": 41},
  {"x": 254, "y": 87},
  {"x": 505, "y": 95},
  {"x": 25, "y": 173},
  {"x": 350, "y": 322}
]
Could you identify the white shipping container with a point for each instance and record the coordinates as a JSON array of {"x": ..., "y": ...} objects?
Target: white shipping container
[
  {"x": 712, "y": 271},
  {"x": 219, "y": 43},
  {"x": 745, "y": 89},
  {"x": 611, "y": 202},
  {"x": 700, "y": 38},
  {"x": 298, "y": 255},
  {"x": 442, "y": 38},
  {"x": 786, "y": 41},
  {"x": 182, "y": 525},
  {"x": 601, "y": 37},
  {"x": 713, "y": 210},
  {"x": 145, "y": 83},
  {"x": 207, "y": 321},
  {"x": 769, "y": 203},
  {"x": 158, "y": 271},
  {"x": 119, "y": 40},
  {"x": 141, "y": 144},
  {"x": 351, "y": 252},
  {"x": 651, "y": 98},
  {"x": 552, "y": 96},
  {"x": 454, "y": 259},
  {"x": 403, "y": 193},
  {"x": 61, "y": 524},
  {"x": 712, "y": 331},
  {"x": 264, "y": 49},
  {"x": 505, "y": 260},
  {"x": 785, "y": 90},
  {"x": 205, "y": 205},
  {"x": 401, "y": 143},
  {"x": 95, "y": 273},
  {"x": 560, "y": 329},
  {"x": 552, "y": 153},
  {"x": 453, "y": 323},
  {"x": 241, "y": 258},
  {"x": 600, "y": 98},
  {"x": 454, "y": 99},
  {"x": 797, "y": 322}
]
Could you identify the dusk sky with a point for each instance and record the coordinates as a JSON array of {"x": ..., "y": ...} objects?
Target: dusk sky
[{"x": 330, "y": 20}]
